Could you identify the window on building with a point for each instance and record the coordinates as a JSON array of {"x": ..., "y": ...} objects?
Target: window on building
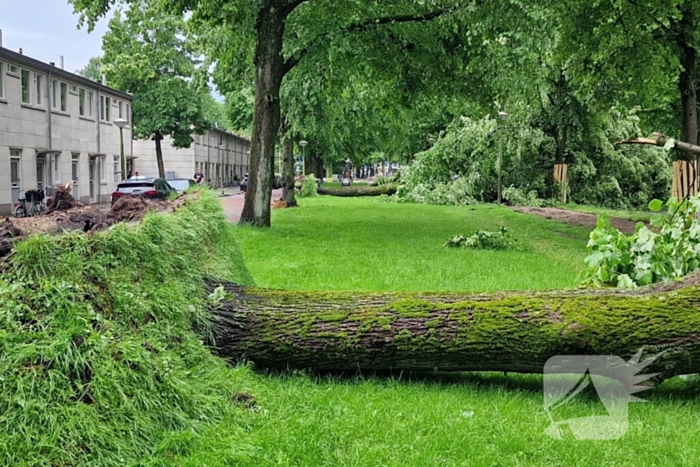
[
  {"x": 39, "y": 79},
  {"x": 55, "y": 170},
  {"x": 117, "y": 174},
  {"x": 105, "y": 104},
  {"x": 2, "y": 80},
  {"x": 121, "y": 109},
  {"x": 64, "y": 97},
  {"x": 14, "y": 167},
  {"x": 25, "y": 87},
  {"x": 81, "y": 102},
  {"x": 128, "y": 113},
  {"x": 54, "y": 94},
  {"x": 90, "y": 103}
]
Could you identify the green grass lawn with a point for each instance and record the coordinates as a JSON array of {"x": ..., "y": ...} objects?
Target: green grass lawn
[
  {"x": 462, "y": 419},
  {"x": 362, "y": 244}
]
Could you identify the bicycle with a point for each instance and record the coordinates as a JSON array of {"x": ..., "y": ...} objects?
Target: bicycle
[{"x": 31, "y": 205}]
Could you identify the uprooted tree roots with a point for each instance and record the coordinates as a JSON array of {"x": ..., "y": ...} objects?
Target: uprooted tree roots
[
  {"x": 62, "y": 200},
  {"x": 64, "y": 214}
]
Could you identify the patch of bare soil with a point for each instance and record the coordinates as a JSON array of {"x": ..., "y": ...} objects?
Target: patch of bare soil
[
  {"x": 577, "y": 218},
  {"x": 66, "y": 214}
]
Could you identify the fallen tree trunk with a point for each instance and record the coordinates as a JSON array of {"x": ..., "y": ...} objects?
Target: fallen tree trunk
[
  {"x": 359, "y": 190},
  {"x": 517, "y": 332},
  {"x": 664, "y": 142}
]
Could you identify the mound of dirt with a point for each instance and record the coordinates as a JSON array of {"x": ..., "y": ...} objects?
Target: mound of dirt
[
  {"x": 68, "y": 214},
  {"x": 577, "y": 218},
  {"x": 62, "y": 199},
  {"x": 8, "y": 234}
]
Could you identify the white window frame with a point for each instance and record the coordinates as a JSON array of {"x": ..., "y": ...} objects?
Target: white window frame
[
  {"x": 55, "y": 97},
  {"x": 91, "y": 103},
  {"x": 64, "y": 96},
  {"x": 39, "y": 87},
  {"x": 29, "y": 86},
  {"x": 2, "y": 80}
]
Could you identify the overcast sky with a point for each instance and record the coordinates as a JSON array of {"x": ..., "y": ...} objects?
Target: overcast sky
[{"x": 47, "y": 29}]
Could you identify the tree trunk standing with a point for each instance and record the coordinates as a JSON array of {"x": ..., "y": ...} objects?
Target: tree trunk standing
[
  {"x": 288, "y": 195},
  {"x": 517, "y": 331},
  {"x": 159, "y": 155},
  {"x": 270, "y": 70},
  {"x": 688, "y": 88}
]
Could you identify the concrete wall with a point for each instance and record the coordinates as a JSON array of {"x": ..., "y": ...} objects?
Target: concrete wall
[{"x": 35, "y": 127}]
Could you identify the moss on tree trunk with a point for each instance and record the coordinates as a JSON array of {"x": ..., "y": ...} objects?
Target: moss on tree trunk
[
  {"x": 515, "y": 332},
  {"x": 359, "y": 190}
]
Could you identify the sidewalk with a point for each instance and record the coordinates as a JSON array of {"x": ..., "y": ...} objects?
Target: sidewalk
[{"x": 233, "y": 203}]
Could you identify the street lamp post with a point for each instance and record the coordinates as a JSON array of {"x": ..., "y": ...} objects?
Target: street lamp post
[
  {"x": 303, "y": 144},
  {"x": 121, "y": 123},
  {"x": 503, "y": 116}
]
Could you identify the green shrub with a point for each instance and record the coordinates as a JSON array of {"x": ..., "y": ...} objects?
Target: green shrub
[
  {"x": 309, "y": 187},
  {"x": 646, "y": 257},
  {"x": 517, "y": 197},
  {"x": 99, "y": 361},
  {"x": 483, "y": 240}
]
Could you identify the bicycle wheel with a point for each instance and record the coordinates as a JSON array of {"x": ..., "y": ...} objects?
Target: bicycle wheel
[{"x": 20, "y": 211}]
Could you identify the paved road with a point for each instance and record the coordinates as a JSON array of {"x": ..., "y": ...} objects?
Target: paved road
[{"x": 233, "y": 205}]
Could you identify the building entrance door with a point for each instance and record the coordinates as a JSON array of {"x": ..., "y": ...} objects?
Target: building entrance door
[
  {"x": 40, "y": 172},
  {"x": 92, "y": 175}
]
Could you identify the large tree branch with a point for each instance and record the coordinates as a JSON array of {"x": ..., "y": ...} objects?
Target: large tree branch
[{"x": 661, "y": 140}]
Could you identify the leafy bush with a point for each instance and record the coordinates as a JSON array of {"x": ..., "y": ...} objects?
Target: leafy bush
[
  {"x": 309, "y": 187},
  {"x": 483, "y": 240},
  {"x": 382, "y": 180},
  {"x": 600, "y": 173},
  {"x": 646, "y": 257},
  {"x": 517, "y": 197}
]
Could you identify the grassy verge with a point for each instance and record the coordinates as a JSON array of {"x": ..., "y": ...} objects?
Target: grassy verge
[
  {"x": 99, "y": 364},
  {"x": 363, "y": 244}
]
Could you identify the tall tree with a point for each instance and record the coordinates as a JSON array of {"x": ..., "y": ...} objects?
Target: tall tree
[
  {"x": 92, "y": 70},
  {"x": 146, "y": 53},
  {"x": 281, "y": 33},
  {"x": 639, "y": 52}
]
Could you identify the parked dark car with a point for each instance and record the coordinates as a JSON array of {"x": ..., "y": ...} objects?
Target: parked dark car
[
  {"x": 277, "y": 181},
  {"x": 150, "y": 188},
  {"x": 244, "y": 183},
  {"x": 181, "y": 184}
]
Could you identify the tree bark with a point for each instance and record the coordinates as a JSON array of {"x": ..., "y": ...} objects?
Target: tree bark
[
  {"x": 159, "y": 155},
  {"x": 270, "y": 71},
  {"x": 288, "y": 195},
  {"x": 687, "y": 84},
  {"x": 661, "y": 140},
  {"x": 349, "y": 191},
  {"x": 518, "y": 332}
]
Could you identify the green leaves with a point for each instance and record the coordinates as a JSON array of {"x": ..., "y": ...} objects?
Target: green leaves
[
  {"x": 647, "y": 256},
  {"x": 656, "y": 205}
]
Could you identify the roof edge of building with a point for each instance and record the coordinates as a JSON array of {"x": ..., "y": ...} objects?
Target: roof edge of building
[{"x": 22, "y": 59}]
